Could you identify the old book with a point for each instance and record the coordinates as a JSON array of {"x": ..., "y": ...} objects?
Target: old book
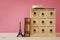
[{"x": 27, "y": 27}]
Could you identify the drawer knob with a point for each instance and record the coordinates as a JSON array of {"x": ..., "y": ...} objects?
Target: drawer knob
[
  {"x": 50, "y": 22},
  {"x": 42, "y": 30},
  {"x": 34, "y": 21},
  {"x": 51, "y": 30},
  {"x": 43, "y": 14},
  {"x": 51, "y": 13},
  {"x": 34, "y": 13}
]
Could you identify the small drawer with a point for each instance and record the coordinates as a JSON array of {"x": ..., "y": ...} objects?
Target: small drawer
[
  {"x": 34, "y": 30},
  {"x": 34, "y": 13},
  {"x": 51, "y": 30},
  {"x": 50, "y": 22},
  {"x": 34, "y": 22},
  {"x": 51, "y": 13},
  {"x": 42, "y": 13},
  {"x": 42, "y": 30},
  {"x": 42, "y": 22}
]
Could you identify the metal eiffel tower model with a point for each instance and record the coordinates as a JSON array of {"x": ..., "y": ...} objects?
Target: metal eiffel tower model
[{"x": 20, "y": 33}]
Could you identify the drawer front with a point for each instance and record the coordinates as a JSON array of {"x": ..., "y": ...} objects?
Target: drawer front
[
  {"x": 42, "y": 30},
  {"x": 51, "y": 29},
  {"x": 34, "y": 22},
  {"x": 51, "y": 13},
  {"x": 42, "y": 13},
  {"x": 51, "y": 22},
  {"x": 51, "y": 32},
  {"x": 34, "y": 30},
  {"x": 34, "y": 13},
  {"x": 42, "y": 22}
]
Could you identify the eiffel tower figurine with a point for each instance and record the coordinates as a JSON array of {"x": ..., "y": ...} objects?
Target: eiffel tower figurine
[{"x": 20, "y": 33}]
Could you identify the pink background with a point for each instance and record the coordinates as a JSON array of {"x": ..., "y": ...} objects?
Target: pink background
[{"x": 14, "y": 11}]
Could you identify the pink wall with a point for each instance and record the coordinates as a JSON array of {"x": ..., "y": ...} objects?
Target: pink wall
[{"x": 14, "y": 11}]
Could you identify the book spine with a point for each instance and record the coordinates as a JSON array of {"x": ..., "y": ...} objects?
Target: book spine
[{"x": 27, "y": 27}]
